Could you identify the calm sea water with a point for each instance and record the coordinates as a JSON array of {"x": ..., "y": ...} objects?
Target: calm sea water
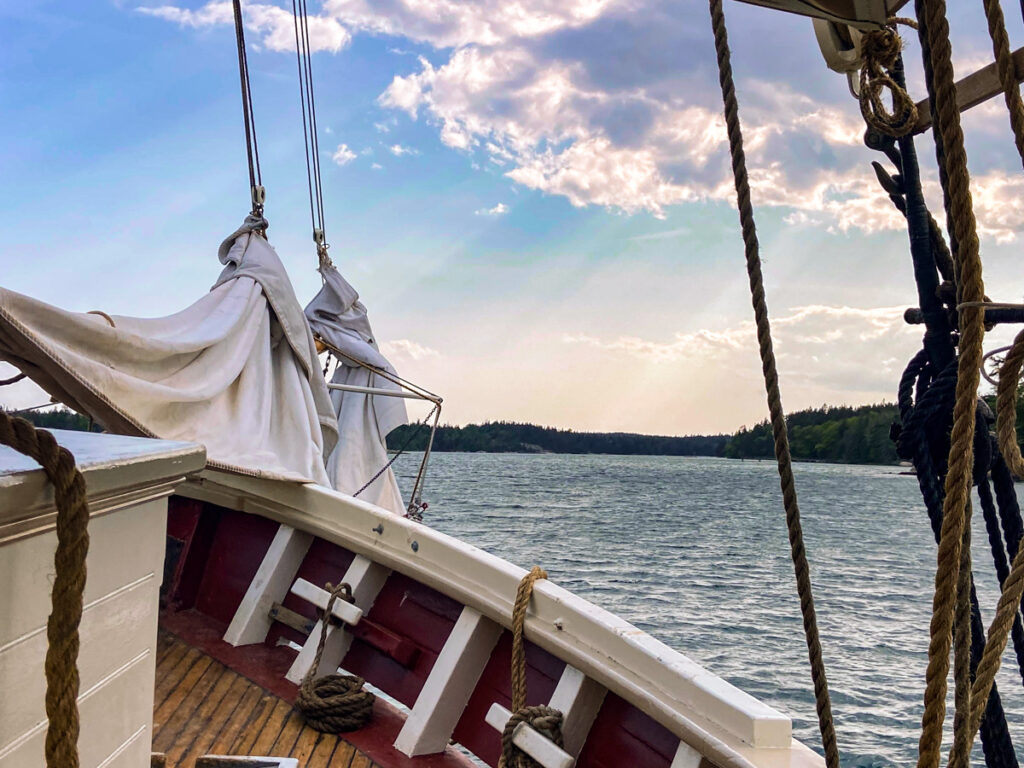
[{"x": 694, "y": 551}]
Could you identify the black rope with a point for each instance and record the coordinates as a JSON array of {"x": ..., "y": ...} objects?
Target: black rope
[
  {"x": 251, "y": 145},
  {"x": 13, "y": 380},
  {"x": 924, "y": 439}
]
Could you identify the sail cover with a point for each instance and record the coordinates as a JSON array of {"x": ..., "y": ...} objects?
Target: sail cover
[
  {"x": 236, "y": 371},
  {"x": 364, "y": 421}
]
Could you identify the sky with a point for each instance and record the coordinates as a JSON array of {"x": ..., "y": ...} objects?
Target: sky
[{"x": 532, "y": 198}]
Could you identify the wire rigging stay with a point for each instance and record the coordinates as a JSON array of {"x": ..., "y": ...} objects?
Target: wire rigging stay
[
  {"x": 303, "y": 57},
  {"x": 256, "y": 190}
]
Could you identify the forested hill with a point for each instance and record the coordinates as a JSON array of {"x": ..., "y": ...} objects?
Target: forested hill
[
  {"x": 836, "y": 434},
  {"x": 509, "y": 437},
  {"x": 831, "y": 433},
  {"x": 840, "y": 434}
]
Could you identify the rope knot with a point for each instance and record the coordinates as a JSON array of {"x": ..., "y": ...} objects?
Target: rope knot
[
  {"x": 880, "y": 51},
  {"x": 333, "y": 703},
  {"x": 547, "y": 721}
]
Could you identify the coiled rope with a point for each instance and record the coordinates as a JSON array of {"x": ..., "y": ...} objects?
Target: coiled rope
[
  {"x": 61, "y": 665},
  {"x": 798, "y": 553},
  {"x": 545, "y": 720},
  {"x": 880, "y": 51},
  {"x": 333, "y": 703}
]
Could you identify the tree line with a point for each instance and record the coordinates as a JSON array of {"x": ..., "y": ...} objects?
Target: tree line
[{"x": 841, "y": 434}]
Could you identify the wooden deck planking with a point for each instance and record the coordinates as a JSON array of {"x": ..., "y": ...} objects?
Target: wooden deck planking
[{"x": 202, "y": 707}]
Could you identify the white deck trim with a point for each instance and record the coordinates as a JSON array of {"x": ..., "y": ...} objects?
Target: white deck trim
[
  {"x": 366, "y": 579},
  {"x": 252, "y": 621},
  {"x": 449, "y": 685}
]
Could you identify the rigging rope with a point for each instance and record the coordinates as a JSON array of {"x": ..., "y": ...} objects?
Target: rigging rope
[
  {"x": 771, "y": 380},
  {"x": 310, "y": 135},
  {"x": 1007, "y": 71},
  {"x": 961, "y": 454},
  {"x": 61, "y": 663},
  {"x": 924, "y": 438}
]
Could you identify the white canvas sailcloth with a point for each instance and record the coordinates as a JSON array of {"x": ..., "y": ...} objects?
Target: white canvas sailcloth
[
  {"x": 236, "y": 371},
  {"x": 364, "y": 421}
]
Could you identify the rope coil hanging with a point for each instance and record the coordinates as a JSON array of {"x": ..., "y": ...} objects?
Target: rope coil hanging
[
  {"x": 333, "y": 703},
  {"x": 880, "y": 51},
  {"x": 798, "y": 553},
  {"x": 61, "y": 665},
  {"x": 543, "y": 719}
]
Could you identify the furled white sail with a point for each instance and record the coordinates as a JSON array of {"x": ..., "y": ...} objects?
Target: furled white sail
[
  {"x": 364, "y": 421},
  {"x": 236, "y": 371}
]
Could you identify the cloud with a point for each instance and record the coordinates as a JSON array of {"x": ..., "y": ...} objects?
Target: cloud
[
  {"x": 275, "y": 26},
  {"x": 497, "y": 210},
  {"x": 376, "y": 167},
  {"x": 453, "y": 23},
  {"x": 613, "y": 103},
  {"x": 843, "y": 349},
  {"x": 398, "y": 150},
  {"x": 343, "y": 155},
  {"x": 399, "y": 349}
]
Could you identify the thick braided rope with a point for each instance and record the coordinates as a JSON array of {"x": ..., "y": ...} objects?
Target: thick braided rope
[
  {"x": 960, "y": 753},
  {"x": 333, "y": 703},
  {"x": 1013, "y": 587},
  {"x": 933, "y": 402},
  {"x": 961, "y": 455},
  {"x": 1007, "y": 71},
  {"x": 1006, "y": 406},
  {"x": 545, "y": 720},
  {"x": 771, "y": 381},
  {"x": 61, "y": 664}
]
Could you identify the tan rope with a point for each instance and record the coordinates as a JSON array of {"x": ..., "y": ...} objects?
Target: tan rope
[
  {"x": 333, "y": 703},
  {"x": 961, "y": 455},
  {"x": 102, "y": 314},
  {"x": 1007, "y": 71},
  {"x": 1013, "y": 587},
  {"x": 61, "y": 663},
  {"x": 880, "y": 51},
  {"x": 771, "y": 381},
  {"x": 960, "y": 753},
  {"x": 545, "y": 720}
]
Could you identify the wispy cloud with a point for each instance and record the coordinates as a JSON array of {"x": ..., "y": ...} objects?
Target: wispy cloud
[
  {"x": 668, "y": 234},
  {"x": 398, "y": 349},
  {"x": 275, "y": 26},
  {"x": 343, "y": 155},
  {"x": 498, "y": 210},
  {"x": 398, "y": 150}
]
